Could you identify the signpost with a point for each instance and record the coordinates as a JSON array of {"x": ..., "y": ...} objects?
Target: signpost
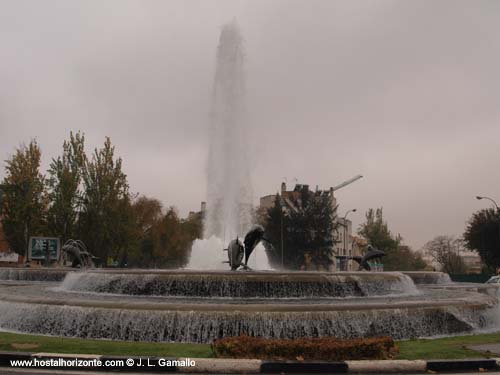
[{"x": 44, "y": 248}]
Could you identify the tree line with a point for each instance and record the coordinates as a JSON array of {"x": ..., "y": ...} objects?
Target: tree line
[
  {"x": 307, "y": 234},
  {"x": 481, "y": 236},
  {"x": 87, "y": 197},
  {"x": 399, "y": 257}
]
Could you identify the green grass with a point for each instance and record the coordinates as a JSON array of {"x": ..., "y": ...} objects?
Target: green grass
[
  {"x": 31, "y": 343},
  {"x": 445, "y": 348}
]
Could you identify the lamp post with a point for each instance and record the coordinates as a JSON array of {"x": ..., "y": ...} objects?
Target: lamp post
[
  {"x": 490, "y": 199},
  {"x": 345, "y": 229}
]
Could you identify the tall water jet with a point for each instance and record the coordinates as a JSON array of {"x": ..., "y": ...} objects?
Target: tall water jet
[{"x": 229, "y": 192}]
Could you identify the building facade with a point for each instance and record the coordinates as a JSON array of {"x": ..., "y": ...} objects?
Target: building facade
[
  {"x": 472, "y": 262},
  {"x": 343, "y": 246}
]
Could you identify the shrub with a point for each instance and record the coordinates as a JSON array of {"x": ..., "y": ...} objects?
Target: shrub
[{"x": 324, "y": 348}]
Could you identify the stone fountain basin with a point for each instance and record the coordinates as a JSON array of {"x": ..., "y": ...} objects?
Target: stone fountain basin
[
  {"x": 48, "y": 294},
  {"x": 240, "y": 284},
  {"x": 43, "y": 308}
]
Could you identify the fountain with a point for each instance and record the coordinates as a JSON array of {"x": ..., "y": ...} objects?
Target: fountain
[
  {"x": 200, "y": 306},
  {"x": 196, "y": 306}
]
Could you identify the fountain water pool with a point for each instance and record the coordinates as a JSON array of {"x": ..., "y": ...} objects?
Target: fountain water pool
[{"x": 193, "y": 306}]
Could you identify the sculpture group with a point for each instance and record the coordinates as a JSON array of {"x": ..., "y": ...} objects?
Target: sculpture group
[
  {"x": 76, "y": 251},
  {"x": 236, "y": 251}
]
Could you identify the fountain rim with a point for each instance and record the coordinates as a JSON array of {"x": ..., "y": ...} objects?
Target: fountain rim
[
  {"x": 35, "y": 269},
  {"x": 240, "y": 274},
  {"x": 195, "y": 272},
  {"x": 470, "y": 299}
]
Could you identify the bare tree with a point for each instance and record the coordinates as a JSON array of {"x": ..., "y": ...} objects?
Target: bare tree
[{"x": 445, "y": 250}]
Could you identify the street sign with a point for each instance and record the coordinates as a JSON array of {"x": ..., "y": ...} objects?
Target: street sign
[{"x": 39, "y": 245}]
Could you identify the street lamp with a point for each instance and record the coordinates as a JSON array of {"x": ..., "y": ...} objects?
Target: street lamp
[
  {"x": 345, "y": 229},
  {"x": 490, "y": 199}
]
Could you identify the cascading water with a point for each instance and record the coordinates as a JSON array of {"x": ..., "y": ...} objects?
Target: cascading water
[
  {"x": 200, "y": 306},
  {"x": 264, "y": 285},
  {"x": 205, "y": 326},
  {"x": 229, "y": 189},
  {"x": 422, "y": 277}
]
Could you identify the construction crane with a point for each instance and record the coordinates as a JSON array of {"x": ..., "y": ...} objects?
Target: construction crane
[{"x": 345, "y": 183}]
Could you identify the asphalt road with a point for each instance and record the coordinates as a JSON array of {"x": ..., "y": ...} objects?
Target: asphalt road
[{"x": 8, "y": 371}]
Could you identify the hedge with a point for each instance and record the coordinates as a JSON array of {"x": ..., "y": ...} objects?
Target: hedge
[{"x": 324, "y": 348}]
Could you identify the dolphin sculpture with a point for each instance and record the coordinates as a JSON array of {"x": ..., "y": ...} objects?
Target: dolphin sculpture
[
  {"x": 79, "y": 254},
  {"x": 237, "y": 250},
  {"x": 235, "y": 253},
  {"x": 371, "y": 253}
]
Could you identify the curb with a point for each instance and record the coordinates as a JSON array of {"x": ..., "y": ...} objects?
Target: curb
[
  {"x": 240, "y": 366},
  {"x": 387, "y": 366},
  {"x": 303, "y": 367},
  {"x": 462, "y": 365}
]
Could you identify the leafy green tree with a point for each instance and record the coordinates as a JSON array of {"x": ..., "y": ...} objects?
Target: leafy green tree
[
  {"x": 163, "y": 240},
  {"x": 106, "y": 218},
  {"x": 193, "y": 227},
  {"x": 482, "y": 234},
  {"x": 1, "y": 198},
  {"x": 126, "y": 240},
  {"x": 63, "y": 183},
  {"x": 276, "y": 224},
  {"x": 398, "y": 256},
  {"x": 307, "y": 228},
  {"x": 147, "y": 214},
  {"x": 418, "y": 262},
  {"x": 172, "y": 240},
  {"x": 376, "y": 231},
  {"x": 24, "y": 203},
  {"x": 407, "y": 260}
]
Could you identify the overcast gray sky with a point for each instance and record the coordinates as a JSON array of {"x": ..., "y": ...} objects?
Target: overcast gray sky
[{"x": 406, "y": 93}]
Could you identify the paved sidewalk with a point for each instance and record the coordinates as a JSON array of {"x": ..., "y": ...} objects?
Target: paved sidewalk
[
  {"x": 492, "y": 348},
  {"x": 34, "y": 362}
]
